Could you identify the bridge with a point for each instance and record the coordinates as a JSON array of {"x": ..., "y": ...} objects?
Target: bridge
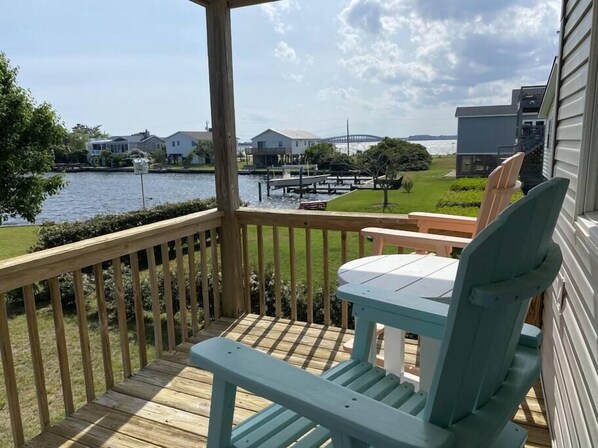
[{"x": 355, "y": 138}]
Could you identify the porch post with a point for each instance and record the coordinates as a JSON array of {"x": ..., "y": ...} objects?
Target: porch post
[{"x": 225, "y": 157}]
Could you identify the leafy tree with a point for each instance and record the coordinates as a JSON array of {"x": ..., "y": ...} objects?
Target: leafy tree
[
  {"x": 205, "y": 150},
  {"x": 320, "y": 153},
  {"x": 391, "y": 156},
  {"x": 29, "y": 134}
]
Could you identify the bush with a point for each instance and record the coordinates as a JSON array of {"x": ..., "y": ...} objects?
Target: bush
[
  {"x": 53, "y": 235},
  {"x": 460, "y": 211},
  {"x": 408, "y": 184},
  {"x": 469, "y": 183},
  {"x": 467, "y": 198}
]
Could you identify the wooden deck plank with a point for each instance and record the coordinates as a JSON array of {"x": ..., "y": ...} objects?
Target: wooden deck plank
[{"x": 167, "y": 402}]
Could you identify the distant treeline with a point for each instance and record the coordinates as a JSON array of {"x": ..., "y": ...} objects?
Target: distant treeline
[{"x": 431, "y": 137}]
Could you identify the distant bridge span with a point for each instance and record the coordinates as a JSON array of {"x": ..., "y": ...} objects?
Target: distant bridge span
[{"x": 355, "y": 138}]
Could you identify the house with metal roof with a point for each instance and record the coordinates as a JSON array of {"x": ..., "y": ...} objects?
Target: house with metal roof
[
  {"x": 278, "y": 146},
  {"x": 120, "y": 144},
  {"x": 181, "y": 143}
]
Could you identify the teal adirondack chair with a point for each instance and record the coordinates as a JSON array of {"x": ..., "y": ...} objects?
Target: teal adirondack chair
[{"x": 488, "y": 358}]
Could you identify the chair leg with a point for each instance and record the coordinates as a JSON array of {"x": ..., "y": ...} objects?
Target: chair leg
[
  {"x": 222, "y": 408},
  {"x": 341, "y": 440},
  {"x": 364, "y": 339}
]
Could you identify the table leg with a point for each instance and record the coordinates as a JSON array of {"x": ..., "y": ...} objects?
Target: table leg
[
  {"x": 394, "y": 351},
  {"x": 428, "y": 356}
]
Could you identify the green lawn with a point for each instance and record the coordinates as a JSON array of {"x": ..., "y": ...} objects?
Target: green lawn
[
  {"x": 15, "y": 240},
  {"x": 429, "y": 186}
]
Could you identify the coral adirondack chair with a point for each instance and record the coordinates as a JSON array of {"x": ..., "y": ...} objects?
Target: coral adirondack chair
[
  {"x": 502, "y": 183},
  {"x": 486, "y": 366}
]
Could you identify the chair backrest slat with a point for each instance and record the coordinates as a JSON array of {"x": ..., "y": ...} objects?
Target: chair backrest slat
[
  {"x": 480, "y": 341},
  {"x": 502, "y": 183}
]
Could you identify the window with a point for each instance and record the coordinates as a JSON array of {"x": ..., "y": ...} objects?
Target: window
[
  {"x": 297, "y": 143},
  {"x": 178, "y": 143},
  {"x": 280, "y": 143},
  {"x": 173, "y": 143},
  {"x": 193, "y": 143}
]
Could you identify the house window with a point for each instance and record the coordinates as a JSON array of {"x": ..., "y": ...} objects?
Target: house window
[
  {"x": 173, "y": 143},
  {"x": 193, "y": 143},
  {"x": 280, "y": 143},
  {"x": 297, "y": 143},
  {"x": 178, "y": 143}
]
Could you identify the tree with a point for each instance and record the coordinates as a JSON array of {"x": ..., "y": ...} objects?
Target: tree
[
  {"x": 391, "y": 156},
  {"x": 320, "y": 153},
  {"x": 29, "y": 135},
  {"x": 205, "y": 150}
]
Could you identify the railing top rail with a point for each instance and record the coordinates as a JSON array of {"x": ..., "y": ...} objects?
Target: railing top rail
[
  {"x": 341, "y": 221},
  {"x": 26, "y": 269}
]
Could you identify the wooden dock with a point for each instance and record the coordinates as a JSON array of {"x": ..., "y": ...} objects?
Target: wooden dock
[{"x": 167, "y": 403}]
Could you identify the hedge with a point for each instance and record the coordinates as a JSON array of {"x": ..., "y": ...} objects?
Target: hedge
[
  {"x": 469, "y": 183},
  {"x": 466, "y": 198},
  {"x": 53, "y": 235}
]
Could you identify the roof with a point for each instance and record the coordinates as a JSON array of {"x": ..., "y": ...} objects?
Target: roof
[
  {"x": 153, "y": 136},
  {"x": 550, "y": 92},
  {"x": 486, "y": 111},
  {"x": 129, "y": 138},
  {"x": 198, "y": 135},
  {"x": 293, "y": 134}
]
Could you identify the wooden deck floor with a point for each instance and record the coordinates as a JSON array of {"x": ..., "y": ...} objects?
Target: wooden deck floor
[{"x": 167, "y": 403}]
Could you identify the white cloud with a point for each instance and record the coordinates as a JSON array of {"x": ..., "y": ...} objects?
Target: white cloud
[
  {"x": 285, "y": 52},
  {"x": 277, "y": 12},
  {"x": 430, "y": 51}
]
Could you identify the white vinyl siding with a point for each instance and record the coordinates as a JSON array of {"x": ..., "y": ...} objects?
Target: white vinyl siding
[{"x": 570, "y": 349}]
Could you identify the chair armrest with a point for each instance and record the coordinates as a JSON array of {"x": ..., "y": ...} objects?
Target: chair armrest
[
  {"x": 424, "y": 316},
  {"x": 318, "y": 399},
  {"x": 440, "y": 221},
  {"x": 414, "y": 240}
]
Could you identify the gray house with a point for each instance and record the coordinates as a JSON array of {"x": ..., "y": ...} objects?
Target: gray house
[
  {"x": 488, "y": 134},
  {"x": 276, "y": 146}
]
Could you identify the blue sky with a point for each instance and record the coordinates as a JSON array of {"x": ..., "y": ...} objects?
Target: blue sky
[{"x": 392, "y": 67}]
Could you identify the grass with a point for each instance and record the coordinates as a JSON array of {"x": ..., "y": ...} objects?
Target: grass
[
  {"x": 24, "y": 371},
  {"x": 15, "y": 240},
  {"x": 428, "y": 188}
]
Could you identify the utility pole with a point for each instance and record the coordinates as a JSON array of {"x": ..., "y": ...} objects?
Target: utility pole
[{"x": 348, "y": 136}]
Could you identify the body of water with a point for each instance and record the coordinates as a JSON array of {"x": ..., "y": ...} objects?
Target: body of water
[
  {"x": 434, "y": 147},
  {"x": 91, "y": 193}
]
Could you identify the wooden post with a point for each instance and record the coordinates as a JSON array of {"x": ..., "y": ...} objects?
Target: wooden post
[{"x": 225, "y": 157}]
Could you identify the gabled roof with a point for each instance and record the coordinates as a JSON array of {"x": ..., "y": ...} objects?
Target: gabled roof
[
  {"x": 486, "y": 111},
  {"x": 197, "y": 135},
  {"x": 293, "y": 134},
  {"x": 152, "y": 136}
]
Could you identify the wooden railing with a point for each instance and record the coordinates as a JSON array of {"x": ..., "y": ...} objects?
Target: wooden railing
[
  {"x": 304, "y": 249},
  {"x": 147, "y": 254}
]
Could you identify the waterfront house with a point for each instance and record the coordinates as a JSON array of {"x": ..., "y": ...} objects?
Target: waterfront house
[
  {"x": 166, "y": 403},
  {"x": 278, "y": 146},
  {"x": 181, "y": 143},
  {"x": 120, "y": 144},
  {"x": 488, "y": 134}
]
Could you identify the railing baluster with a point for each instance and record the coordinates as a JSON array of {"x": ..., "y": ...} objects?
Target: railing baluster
[
  {"x": 83, "y": 335},
  {"x": 326, "y": 294},
  {"x": 205, "y": 291},
  {"x": 63, "y": 360},
  {"x": 215, "y": 271},
  {"x": 10, "y": 379},
  {"x": 293, "y": 268},
  {"x": 151, "y": 262},
  {"x": 168, "y": 296},
  {"x": 261, "y": 275},
  {"x": 277, "y": 275},
  {"x": 192, "y": 288},
  {"x": 36, "y": 357},
  {"x": 344, "y": 303},
  {"x": 139, "y": 320},
  {"x": 122, "y": 318},
  {"x": 310, "y": 293},
  {"x": 104, "y": 332},
  {"x": 180, "y": 275},
  {"x": 246, "y": 269}
]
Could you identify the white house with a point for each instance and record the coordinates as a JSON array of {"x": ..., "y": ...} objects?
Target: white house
[
  {"x": 276, "y": 146},
  {"x": 120, "y": 144},
  {"x": 570, "y": 346},
  {"x": 181, "y": 143}
]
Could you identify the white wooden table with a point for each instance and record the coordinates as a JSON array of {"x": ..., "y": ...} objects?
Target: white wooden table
[{"x": 416, "y": 275}]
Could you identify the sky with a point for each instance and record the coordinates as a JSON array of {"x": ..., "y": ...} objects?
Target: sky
[{"x": 391, "y": 67}]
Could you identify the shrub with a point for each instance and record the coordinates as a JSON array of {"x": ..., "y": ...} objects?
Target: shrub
[
  {"x": 460, "y": 211},
  {"x": 408, "y": 184},
  {"x": 467, "y": 198},
  {"x": 469, "y": 183},
  {"x": 54, "y": 235}
]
